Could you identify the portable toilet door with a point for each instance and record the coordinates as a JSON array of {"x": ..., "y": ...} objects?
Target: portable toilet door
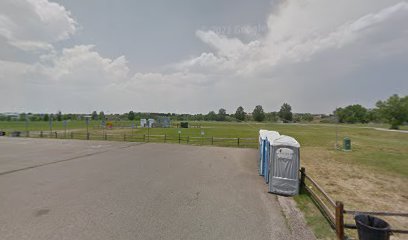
[
  {"x": 270, "y": 137},
  {"x": 285, "y": 163},
  {"x": 262, "y": 144}
]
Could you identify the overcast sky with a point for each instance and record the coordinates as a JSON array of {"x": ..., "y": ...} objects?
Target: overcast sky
[{"x": 190, "y": 57}]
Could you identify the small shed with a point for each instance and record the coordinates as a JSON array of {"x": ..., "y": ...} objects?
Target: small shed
[
  {"x": 284, "y": 166},
  {"x": 150, "y": 122},
  {"x": 262, "y": 144},
  {"x": 143, "y": 122},
  {"x": 270, "y": 137}
]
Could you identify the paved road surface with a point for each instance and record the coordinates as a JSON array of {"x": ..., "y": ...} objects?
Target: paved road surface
[{"x": 68, "y": 189}]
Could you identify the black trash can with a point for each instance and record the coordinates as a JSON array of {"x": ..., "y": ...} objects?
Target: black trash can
[{"x": 372, "y": 228}]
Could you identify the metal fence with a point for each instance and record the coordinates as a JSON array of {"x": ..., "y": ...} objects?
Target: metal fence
[{"x": 165, "y": 138}]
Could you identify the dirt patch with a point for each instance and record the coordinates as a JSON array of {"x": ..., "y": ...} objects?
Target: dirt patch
[
  {"x": 295, "y": 218},
  {"x": 358, "y": 187}
]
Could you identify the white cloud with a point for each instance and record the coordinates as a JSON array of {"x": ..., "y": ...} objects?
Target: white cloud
[
  {"x": 316, "y": 55},
  {"x": 34, "y": 24}
]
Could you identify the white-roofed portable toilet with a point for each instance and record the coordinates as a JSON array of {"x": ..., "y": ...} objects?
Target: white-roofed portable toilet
[
  {"x": 270, "y": 137},
  {"x": 284, "y": 168},
  {"x": 262, "y": 147}
]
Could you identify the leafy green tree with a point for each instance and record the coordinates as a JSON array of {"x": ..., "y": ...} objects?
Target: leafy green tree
[
  {"x": 240, "y": 114},
  {"x": 222, "y": 113},
  {"x": 285, "y": 113},
  {"x": 373, "y": 115},
  {"x": 394, "y": 110},
  {"x": 59, "y": 116},
  {"x": 296, "y": 118},
  {"x": 94, "y": 115},
  {"x": 258, "y": 114},
  {"x": 271, "y": 117},
  {"x": 211, "y": 116},
  {"x": 352, "y": 114},
  {"x": 307, "y": 117},
  {"x": 46, "y": 117},
  {"x": 131, "y": 116},
  {"x": 22, "y": 117},
  {"x": 101, "y": 115}
]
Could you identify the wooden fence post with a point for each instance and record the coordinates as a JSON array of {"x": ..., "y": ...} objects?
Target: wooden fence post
[
  {"x": 302, "y": 177},
  {"x": 56, "y": 135},
  {"x": 87, "y": 136},
  {"x": 144, "y": 137},
  {"x": 188, "y": 139},
  {"x": 124, "y": 137},
  {"x": 238, "y": 141},
  {"x": 339, "y": 220},
  {"x": 165, "y": 137},
  {"x": 212, "y": 140},
  {"x": 106, "y": 136}
]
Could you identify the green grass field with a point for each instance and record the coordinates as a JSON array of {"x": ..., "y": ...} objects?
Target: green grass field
[
  {"x": 378, "y": 161},
  {"x": 381, "y": 150}
]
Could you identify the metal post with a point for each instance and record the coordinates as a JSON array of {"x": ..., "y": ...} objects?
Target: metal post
[
  {"x": 72, "y": 135},
  {"x": 148, "y": 133},
  {"x": 144, "y": 137},
  {"x": 26, "y": 126},
  {"x": 87, "y": 127},
  {"x": 41, "y": 134},
  {"x": 65, "y": 128},
  {"x": 50, "y": 123},
  {"x": 188, "y": 139},
  {"x": 133, "y": 126},
  {"x": 212, "y": 140},
  {"x": 124, "y": 137},
  {"x": 179, "y": 138},
  {"x": 56, "y": 134},
  {"x": 165, "y": 138},
  {"x": 87, "y": 136},
  {"x": 238, "y": 142},
  {"x": 337, "y": 122},
  {"x": 339, "y": 220}
]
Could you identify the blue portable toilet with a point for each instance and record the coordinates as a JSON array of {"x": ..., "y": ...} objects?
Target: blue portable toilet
[
  {"x": 262, "y": 146},
  {"x": 270, "y": 137},
  {"x": 284, "y": 166}
]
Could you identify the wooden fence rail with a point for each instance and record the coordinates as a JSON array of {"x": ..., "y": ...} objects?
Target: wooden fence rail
[{"x": 334, "y": 211}]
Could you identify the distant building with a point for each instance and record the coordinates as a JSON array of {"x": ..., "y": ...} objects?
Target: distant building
[
  {"x": 143, "y": 122},
  {"x": 163, "y": 122},
  {"x": 151, "y": 122},
  {"x": 11, "y": 115}
]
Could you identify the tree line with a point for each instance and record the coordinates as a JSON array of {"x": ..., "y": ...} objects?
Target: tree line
[{"x": 394, "y": 111}]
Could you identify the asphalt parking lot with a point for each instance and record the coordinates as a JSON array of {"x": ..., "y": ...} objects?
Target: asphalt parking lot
[{"x": 69, "y": 189}]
